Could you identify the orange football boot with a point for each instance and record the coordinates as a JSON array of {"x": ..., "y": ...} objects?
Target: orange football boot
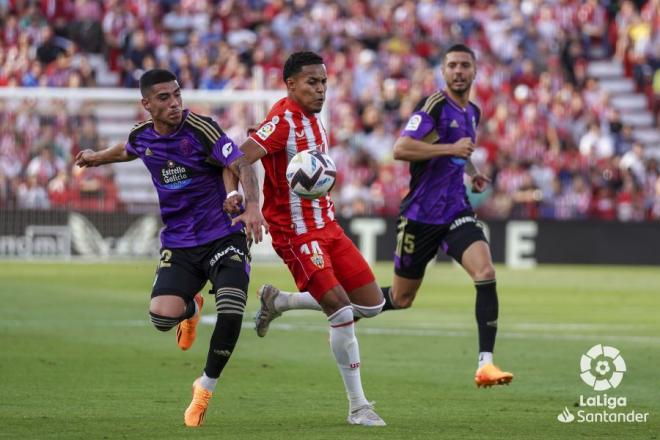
[
  {"x": 194, "y": 415},
  {"x": 489, "y": 375},
  {"x": 186, "y": 330}
]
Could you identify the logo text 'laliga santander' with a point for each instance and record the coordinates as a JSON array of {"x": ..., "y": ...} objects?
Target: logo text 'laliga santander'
[{"x": 602, "y": 368}]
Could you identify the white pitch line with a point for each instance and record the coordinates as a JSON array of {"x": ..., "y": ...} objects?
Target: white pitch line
[
  {"x": 280, "y": 326},
  {"x": 391, "y": 331}
]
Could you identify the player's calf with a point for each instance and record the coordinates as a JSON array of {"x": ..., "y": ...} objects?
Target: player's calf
[{"x": 230, "y": 306}]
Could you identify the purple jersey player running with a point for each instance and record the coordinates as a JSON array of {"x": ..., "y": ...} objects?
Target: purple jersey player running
[
  {"x": 190, "y": 158},
  {"x": 438, "y": 141}
]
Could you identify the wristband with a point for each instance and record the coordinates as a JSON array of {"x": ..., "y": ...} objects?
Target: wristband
[{"x": 233, "y": 193}]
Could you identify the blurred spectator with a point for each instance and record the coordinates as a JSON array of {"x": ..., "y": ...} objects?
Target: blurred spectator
[
  {"x": 51, "y": 46},
  {"x": 31, "y": 195},
  {"x": 633, "y": 161},
  {"x": 596, "y": 144},
  {"x": 44, "y": 166},
  {"x": 551, "y": 142}
]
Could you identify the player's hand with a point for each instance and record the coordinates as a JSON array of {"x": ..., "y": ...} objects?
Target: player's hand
[
  {"x": 251, "y": 129},
  {"x": 479, "y": 183},
  {"x": 463, "y": 147},
  {"x": 254, "y": 221},
  {"x": 86, "y": 158},
  {"x": 232, "y": 205}
]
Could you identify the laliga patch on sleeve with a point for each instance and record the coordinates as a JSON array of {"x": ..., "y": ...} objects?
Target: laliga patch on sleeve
[
  {"x": 266, "y": 130},
  {"x": 413, "y": 123}
]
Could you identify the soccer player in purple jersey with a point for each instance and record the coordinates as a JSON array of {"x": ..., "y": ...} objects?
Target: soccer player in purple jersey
[
  {"x": 438, "y": 141},
  {"x": 190, "y": 158}
]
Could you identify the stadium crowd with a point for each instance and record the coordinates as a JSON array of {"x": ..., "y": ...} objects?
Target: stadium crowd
[{"x": 549, "y": 139}]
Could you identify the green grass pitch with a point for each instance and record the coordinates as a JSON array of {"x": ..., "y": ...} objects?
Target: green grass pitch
[{"x": 79, "y": 359}]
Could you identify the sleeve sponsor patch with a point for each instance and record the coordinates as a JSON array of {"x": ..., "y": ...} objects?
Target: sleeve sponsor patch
[
  {"x": 227, "y": 149},
  {"x": 413, "y": 123},
  {"x": 266, "y": 130}
]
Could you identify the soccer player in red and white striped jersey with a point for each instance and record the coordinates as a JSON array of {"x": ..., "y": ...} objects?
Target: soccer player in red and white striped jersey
[
  {"x": 286, "y": 131},
  {"x": 329, "y": 271}
]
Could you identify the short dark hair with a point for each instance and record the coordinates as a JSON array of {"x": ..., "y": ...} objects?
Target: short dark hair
[
  {"x": 297, "y": 61},
  {"x": 152, "y": 77},
  {"x": 460, "y": 48}
]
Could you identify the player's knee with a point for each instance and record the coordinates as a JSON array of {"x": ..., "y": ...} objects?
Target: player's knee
[
  {"x": 366, "y": 311},
  {"x": 342, "y": 317},
  {"x": 230, "y": 301},
  {"x": 163, "y": 322},
  {"x": 403, "y": 301},
  {"x": 487, "y": 272}
]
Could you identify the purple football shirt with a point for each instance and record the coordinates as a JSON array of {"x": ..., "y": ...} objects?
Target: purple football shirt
[
  {"x": 437, "y": 193},
  {"x": 185, "y": 168}
]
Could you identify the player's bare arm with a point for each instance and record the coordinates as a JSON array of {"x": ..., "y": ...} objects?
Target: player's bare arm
[
  {"x": 232, "y": 204},
  {"x": 252, "y": 153},
  {"x": 90, "y": 158},
  {"x": 479, "y": 181},
  {"x": 410, "y": 150},
  {"x": 252, "y": 217}
]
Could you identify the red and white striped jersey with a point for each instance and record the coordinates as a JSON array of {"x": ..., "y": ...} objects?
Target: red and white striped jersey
[{"x": 287, "y": 130}]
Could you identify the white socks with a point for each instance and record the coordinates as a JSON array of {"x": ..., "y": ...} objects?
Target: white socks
[
  {"x": 347, "y": 354},
  {"x": 208, "y": 382},
  {"x": 485, "y": 357},
  {"x": 305, "y": 301},
  {"x": 295, "y": 300}
]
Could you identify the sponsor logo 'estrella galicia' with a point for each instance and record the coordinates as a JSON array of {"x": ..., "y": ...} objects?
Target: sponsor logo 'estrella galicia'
[{"x": 175, "y": 176}]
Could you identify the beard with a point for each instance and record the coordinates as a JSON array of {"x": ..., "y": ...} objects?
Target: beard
[{"x": 460, "y": 89}]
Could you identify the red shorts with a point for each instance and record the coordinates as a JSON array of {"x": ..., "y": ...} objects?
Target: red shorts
[{"x": 322, "y": 259}]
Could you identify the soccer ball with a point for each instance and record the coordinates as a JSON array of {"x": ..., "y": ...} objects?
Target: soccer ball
[{"x": 311, "y": 174}]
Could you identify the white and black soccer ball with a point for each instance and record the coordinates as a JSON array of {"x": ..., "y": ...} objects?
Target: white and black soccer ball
[{"x": 311, "y": 174}]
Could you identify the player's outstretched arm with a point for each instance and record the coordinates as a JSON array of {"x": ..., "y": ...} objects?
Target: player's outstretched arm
[
  {"x": 252, "y": 217},
  {"x": 90, "y": 158},
  {"x": 411, "y": 150}
]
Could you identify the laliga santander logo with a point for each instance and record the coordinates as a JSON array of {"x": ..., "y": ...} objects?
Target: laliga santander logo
[{"x": 602, "y": 367}]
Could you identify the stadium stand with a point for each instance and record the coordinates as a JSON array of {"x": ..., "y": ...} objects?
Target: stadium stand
[{"x": 570, "y": 93}]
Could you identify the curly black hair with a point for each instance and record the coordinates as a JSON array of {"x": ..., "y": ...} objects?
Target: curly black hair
[{"x": 297, "y": 61}]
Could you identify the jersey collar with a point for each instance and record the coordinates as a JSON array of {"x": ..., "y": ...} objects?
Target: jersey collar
[
  {"x": 290, "y": 103},
  {"x": 452, "y": 102}
]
